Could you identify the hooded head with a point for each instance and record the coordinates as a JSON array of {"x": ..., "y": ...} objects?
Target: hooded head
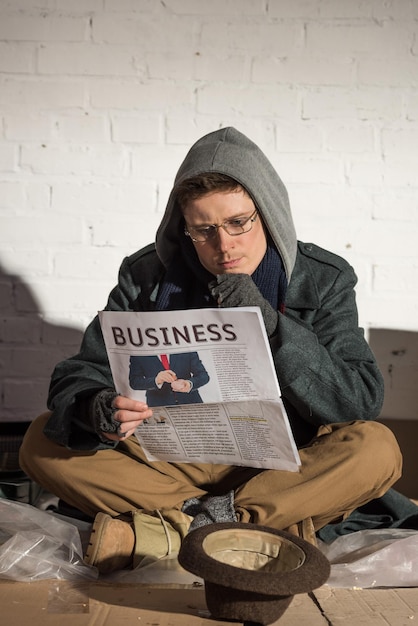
[{"x": 229, "y": 152}]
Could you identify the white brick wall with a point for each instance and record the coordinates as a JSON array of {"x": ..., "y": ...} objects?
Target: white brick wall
[{"x": 101, "y": 99}]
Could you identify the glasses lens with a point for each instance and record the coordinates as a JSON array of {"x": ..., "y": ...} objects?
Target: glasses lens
[
  {"x": 232, "y": 227},
  {"x": 239, "y": 226}
]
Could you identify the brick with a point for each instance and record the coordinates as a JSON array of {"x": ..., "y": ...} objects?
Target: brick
[
  {"x": 222, "y": 67},
  {"x": 396, "y": 277},
  {"x": 258, "y": 38},
  {"x": 88, "y": 59},
  {"x": 295, "y": 9},
  {"x": 131, "y": 234},
  {"x": 157, "y": 97},
  {"x": 60, "y": 230},
  {"x": 67, "y": 338},
  {"x": 8, "y": 157},
  {"x": 75, "y": 160},
  {"x": 266, "y": 100},
  {"x": 128, "y": 6},
  {"x": 330, "y": 202},
  {"x": 146, "y": 33},
  {"x": 36, "y": 361},
  {"x": 28, "y": 127},
  {"x": 62, "y": 298},
  {"x": 137, "y": 129},
  {"x": 162, "y": 161},
  {"x": 400, "y": 172},
  {"x": 82, "y": 129},
  {"x": 411, "y": 105},
  {"x": 17, "y": 58},
  {"x": 33, "y": 260},
  {"x": 186, "y": 130},
  {"x": 299, "y": 137},
  {"x": 37, "y": 196},
  {"x": 11, "y": 195},
  {"x": 377, "y": 39},
  {"x": 398, "y": 71},
  {"x": 378, "y": 311},
  {"x": 363, "y": 103},
  {"x": 224, "y": 8},
  {"x": 368, "y": 172},
  {"x": 29, "y": 395},
  {"x": 125, "y": 196},
  {"x": 25, "y": 300},
  {"x": 42, "y": 28},
  {"x": 6, "y": 295},
  {"x": 335, "y": 9},
  {"x": 179, "y": 66},
  {"x": 384, "y": 238},
  {"x": 303, "y": 70},
  {"x": 400, "y": 142},
  {"x": 5, "y": 360},
  {"x": 88, "y": 264},
  {"x": 18, "y": 5},
  {"x": 164, "y": 190},
  {"x": 266, "y": 38},
  {"x": 28, "y": 94},
  {"x": 350, "y": 138},
  {"x": 20, "y": 330},
  {"x": 81, "y": 6},
  {"x": 307, "y": 169},
  {"x": 400, "y": 204}
]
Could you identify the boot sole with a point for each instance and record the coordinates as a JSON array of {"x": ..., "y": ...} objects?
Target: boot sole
[{"x": 99, "y": 526}]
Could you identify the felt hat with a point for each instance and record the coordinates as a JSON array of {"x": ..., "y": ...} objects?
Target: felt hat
[{"x": 251, "y": 572}]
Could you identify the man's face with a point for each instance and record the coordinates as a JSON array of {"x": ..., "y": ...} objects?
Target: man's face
[{"x": 226, "y": 254}]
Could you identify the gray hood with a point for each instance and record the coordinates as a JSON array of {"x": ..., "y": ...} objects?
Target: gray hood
[{"x": 227, "y": 151}]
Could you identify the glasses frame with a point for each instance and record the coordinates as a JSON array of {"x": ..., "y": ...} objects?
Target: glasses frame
[{"x": 251, "y": 219}]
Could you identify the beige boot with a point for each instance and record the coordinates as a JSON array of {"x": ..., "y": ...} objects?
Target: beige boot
[
  {"x": 117, "y": 544},
  {"x": 158, "y": 534},
  {"x": 112, "y": 543}
]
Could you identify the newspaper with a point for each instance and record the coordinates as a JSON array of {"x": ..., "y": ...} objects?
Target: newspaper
[{"x": 208, "y": 376}]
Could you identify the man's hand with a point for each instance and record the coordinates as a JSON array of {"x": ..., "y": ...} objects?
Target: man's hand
[
  {"x": 181, "y": 385},
  {"x": 230, "y": 290},
  {"x": 130, "y": 414},
  {"x": 165, "y": 376}
]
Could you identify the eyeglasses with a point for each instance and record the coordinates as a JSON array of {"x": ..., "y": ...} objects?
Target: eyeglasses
[{"x": 236, "y": 226}]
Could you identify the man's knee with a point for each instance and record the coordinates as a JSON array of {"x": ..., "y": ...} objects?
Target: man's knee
[
  {"x": 32, "y": 444},
  {"x": 379, "y": 446}
]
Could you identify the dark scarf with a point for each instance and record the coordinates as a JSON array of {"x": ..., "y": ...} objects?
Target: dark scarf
[{"x": 185, "y": 284}]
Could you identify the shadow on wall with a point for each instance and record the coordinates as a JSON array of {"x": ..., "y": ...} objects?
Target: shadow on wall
[{"x": 30, "y": 347}]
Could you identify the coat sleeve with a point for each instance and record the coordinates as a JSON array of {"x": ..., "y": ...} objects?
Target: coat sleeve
[
  {"x": 325, "y": 367},
  {"x": 197, "y": 374},
  {"x": 75, "y": 380}
]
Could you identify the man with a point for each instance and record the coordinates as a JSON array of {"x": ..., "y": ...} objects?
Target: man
[{"x": 226, "y": 239}]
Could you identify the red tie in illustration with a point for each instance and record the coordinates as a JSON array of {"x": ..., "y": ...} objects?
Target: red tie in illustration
[{"x": 164, "y": 361}]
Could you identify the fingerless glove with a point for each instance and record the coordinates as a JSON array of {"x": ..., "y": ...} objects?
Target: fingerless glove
[
  {"x": 232, "y": 290},
  {"x": 102, "y": 412}
]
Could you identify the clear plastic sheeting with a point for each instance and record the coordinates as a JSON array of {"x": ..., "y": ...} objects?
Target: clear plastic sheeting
[
  {"x": 373, "y": 558},
  {"x": 36, "y": 545}
]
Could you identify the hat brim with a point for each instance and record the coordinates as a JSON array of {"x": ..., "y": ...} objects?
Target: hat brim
[{"x": 254, "y": 558}]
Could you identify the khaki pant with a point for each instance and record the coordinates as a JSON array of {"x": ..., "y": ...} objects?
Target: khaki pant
[{"x": 345, "y": 466}]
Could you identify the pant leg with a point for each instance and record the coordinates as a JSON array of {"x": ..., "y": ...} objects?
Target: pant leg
[
  {"x": 113, "y": 481},
  {"x": 344, "y": 467}
]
